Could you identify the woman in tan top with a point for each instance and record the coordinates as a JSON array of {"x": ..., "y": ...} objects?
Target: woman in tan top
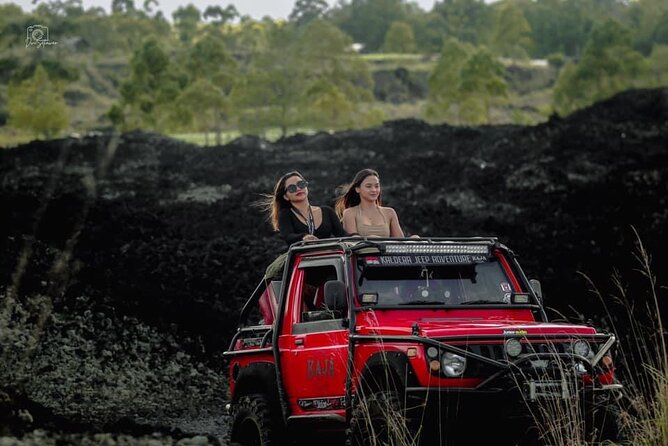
[{"x": 361, "y": 210}]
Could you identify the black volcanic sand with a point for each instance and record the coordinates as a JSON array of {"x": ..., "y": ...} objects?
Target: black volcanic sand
[{"x": 124, "y": 265}]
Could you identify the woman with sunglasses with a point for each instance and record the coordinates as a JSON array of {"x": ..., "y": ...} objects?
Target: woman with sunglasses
[
  {"x": 291, "y": 213},
  {"x": 361, "y": 209}
]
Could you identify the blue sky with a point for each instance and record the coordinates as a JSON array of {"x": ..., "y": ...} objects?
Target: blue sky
[{"x": 254, "y": 8}]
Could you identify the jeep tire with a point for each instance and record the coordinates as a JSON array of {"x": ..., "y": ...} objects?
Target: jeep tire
[
  {"x": 378, "y": 419},
  {"x": 608, "y": 425},
  {"x": 252, "y": 422}
]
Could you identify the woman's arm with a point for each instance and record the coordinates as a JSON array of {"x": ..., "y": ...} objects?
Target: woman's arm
[
  {"x": 287, "y": 228},
  {"x": 349, "y": 223},
  {"x": 395, "y": 227}
]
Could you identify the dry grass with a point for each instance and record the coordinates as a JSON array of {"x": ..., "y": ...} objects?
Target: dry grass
[
  {"x": 642, "y": 406},
  {"x": 645, "y": 357}
]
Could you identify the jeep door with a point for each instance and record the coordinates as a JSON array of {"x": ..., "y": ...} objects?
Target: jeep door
[{"x": 313, "y": 342}]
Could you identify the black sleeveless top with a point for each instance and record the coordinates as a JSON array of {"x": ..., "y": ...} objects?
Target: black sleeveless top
[{"x": 293, "y": 230}]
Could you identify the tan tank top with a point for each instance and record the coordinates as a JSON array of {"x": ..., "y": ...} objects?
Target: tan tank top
[{"x": 365, "y": 230}]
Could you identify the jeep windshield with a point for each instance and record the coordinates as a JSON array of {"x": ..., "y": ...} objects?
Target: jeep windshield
[{"x": 427, "y": 284}]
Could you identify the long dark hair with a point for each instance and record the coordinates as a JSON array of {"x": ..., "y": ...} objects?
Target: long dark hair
[
  {"x": 350, "y": 196},
  {"x": 275, "y": 202}
]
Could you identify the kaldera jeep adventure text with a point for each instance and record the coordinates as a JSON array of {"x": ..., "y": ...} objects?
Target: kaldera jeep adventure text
[{"x": 386, "y": 339}]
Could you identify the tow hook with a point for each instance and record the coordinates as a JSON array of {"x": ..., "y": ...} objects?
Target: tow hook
[{"x": 228, "y": 408}]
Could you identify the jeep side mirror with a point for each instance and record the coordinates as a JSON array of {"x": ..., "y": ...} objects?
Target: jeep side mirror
[
  {"x": 536, "y": 287},
  {"x": 335, "y": 295}
]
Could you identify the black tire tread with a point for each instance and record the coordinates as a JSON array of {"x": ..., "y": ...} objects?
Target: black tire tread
[{"x": 257, "y": 408}]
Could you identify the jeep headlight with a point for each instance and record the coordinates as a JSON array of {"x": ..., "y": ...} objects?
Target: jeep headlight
[
  {"x": 513, "y": 347},
  {"x": 581, "y": 347},
  {"x": 453, "y": 365}
]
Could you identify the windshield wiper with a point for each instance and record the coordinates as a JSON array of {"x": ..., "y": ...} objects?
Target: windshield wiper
[
  {"x": 482, "y": 301},
  {"x": 423, "y": 302}
]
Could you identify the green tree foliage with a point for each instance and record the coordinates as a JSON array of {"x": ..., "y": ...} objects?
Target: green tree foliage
[
  {"x": 12, "y": 24},
  {"x": 148, "y": 94},
  {"x": 512, "y": 33},
  {"x": 206, "y": 100},
  {"x": 399, "y": 39},
  {"x": 305, "y": 11},
  {"x": 248, "y": 38},
  {"x": 466, "y": 20},
  {"x": 301, "y": 70},
  {"x": 123, "y": 6},
  {"x": 186, "y": 20},
  {"x": 559, "y": 26},
  {"x": 37, "y": 105},
  {"x": 273, "y": 85},
  {"x": 608, "y": 66},
  {"x": 429, "y": 31},
  {"x": 96, "y": 49},
  {"x": 481, "y": 85},
  {"x": 464, "y": 84},
  {"x": 367, "y": 21},
  {"x": 445, "y": 80},
  {"x": 660, "y": 34},
  {"x": 659, "y": 65},
  {"x": 220, "y": 15},
  {"x": 648, "y": 19}
]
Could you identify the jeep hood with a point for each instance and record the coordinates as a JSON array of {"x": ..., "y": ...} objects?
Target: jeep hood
[{"x": 435, "y": 328}]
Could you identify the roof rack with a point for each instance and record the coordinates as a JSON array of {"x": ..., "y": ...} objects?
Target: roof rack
[{"x": 356, "y": 243}]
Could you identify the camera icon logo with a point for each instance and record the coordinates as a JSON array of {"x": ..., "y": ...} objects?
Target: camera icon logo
[{"x": 37, "y": 35}]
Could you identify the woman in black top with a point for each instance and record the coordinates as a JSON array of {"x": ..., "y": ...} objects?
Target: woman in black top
[{"x": 292, "y": 214}]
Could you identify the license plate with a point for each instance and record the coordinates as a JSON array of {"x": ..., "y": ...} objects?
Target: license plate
[{"x": 547, "y": 389}]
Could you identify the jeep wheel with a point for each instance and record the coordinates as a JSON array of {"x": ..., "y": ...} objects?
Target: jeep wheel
[
  {"x": 378, "y": 419},
  {"x": 608, "y": 425},
  {"x": 252, "y": 423}
]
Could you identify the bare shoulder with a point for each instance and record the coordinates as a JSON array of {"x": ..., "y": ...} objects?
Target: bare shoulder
[
  {"x": 349, "y": 211},
  {"x": 389, "y": 212}
]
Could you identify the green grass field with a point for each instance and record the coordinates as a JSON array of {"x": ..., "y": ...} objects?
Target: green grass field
[
  {"x": 200, "y": 139},
  {"x": 392, "y": 61}
]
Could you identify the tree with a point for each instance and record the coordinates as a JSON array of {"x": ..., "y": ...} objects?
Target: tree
[
  {"x": 429, "y": 31},
  {"x": 300, "y": 70},
  {"x": 273, "y": 86},
  {"x": 512, "y": 33},
  {"x": 148, "y": 94},
  {"x": 122, "y": 6},
  {"x": 220, "y": 15},
  {"x": 464, "y": 84},
  {"x": 659, "y": 65},
  {"x": 212, "y": 72},
  {"x": 306, "y": 11},
  {"x": 204, "y": 105},
  {"x": 186, "y": 20},
  {"x": 12, "y": 24},
  {"x": 367, "y": 21},
  {"x": 466, "y": 20},
  {"x": 660, "y": 34},
  {"x": 37, "y": 105},
  {"x": 445, "y": 80},
  {"x": 608, "y": 66},
  {"x": 559, "y": 26},
  {"x": 399, "y": 39},
  {"x": 149, "y": 4},
  {"x": 481, "y": 84},
  {"x": 648, "y": 18}
]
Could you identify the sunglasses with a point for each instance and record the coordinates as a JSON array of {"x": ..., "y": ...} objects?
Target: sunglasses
[{"x": 299, "y": 185}]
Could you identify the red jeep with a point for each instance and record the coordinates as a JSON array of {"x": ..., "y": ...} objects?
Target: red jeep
[{"x": 386, "y": 339}]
